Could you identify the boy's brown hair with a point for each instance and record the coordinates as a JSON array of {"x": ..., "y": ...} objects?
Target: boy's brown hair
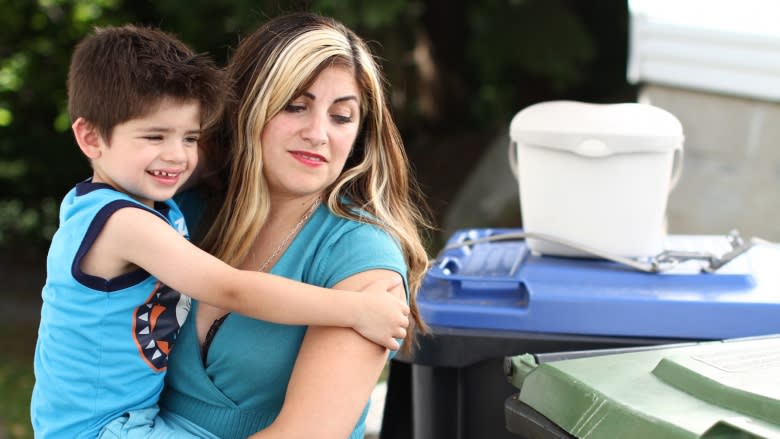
[{"x": 121, "y": 73}]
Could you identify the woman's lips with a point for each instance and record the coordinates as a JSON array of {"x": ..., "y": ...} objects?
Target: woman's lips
[{"x": 308, "y": 158}]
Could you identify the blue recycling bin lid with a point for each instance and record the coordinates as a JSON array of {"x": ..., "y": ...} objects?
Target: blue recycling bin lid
[{"x": 501, "y": 285}]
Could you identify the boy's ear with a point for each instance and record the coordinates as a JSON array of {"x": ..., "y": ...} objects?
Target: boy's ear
[{"x": 87, "y": 137}]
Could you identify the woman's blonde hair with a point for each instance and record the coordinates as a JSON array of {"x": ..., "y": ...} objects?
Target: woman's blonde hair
[{"x": 273, "y": 66}]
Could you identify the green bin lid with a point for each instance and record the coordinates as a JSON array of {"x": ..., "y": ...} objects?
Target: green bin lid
[{"x": 721, "y": 389}]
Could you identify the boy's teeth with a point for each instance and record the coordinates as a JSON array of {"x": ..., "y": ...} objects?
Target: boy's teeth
[{"x": 162, "y": 173}]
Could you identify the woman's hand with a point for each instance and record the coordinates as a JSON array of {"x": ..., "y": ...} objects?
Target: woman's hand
[{"x": 385, "y": 317}]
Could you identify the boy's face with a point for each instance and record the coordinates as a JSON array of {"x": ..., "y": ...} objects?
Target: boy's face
[{"x": 151, "y": 157}]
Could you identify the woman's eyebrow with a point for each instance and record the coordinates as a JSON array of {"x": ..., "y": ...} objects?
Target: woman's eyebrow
[
  {"x": 341, "y": 99},
  {"x": 346, "y": 98}
]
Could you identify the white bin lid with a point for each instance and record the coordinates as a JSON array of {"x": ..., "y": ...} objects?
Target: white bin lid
[{"x": 597, "y": 130}]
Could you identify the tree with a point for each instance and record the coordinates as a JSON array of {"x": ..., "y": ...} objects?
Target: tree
[{"x": 457, "y": 71}]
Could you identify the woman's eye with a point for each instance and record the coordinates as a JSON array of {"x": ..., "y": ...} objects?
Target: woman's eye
[
  {"x": 191, "y": 139},
  {"x": 341, "y": 119},
  {"x": 294, "y": 108}
]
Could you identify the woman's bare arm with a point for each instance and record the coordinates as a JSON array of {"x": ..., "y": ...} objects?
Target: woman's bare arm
[{"x": 333, "y": 377}]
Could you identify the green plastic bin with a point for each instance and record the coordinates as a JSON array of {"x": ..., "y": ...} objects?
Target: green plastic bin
[{"x": 720, "y": 389}]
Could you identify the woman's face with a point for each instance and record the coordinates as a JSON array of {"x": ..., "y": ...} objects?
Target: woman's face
[{"x": 306, "y": 145}]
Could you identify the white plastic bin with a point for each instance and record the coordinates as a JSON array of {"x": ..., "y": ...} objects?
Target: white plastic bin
[{"x": 596, "y": 174}]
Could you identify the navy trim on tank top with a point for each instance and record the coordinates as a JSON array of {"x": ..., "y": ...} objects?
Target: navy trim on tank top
[
  {"x": 88, "y": 186},
  {"x": 95, "y": 227}
]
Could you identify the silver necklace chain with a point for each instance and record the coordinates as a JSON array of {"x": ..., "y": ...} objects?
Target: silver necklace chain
[{"x": 293, "y": 231}]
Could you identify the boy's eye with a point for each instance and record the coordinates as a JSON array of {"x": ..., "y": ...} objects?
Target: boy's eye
[
  {"x": 153, "y": 138},
  {"x": 191, "y": 139}
]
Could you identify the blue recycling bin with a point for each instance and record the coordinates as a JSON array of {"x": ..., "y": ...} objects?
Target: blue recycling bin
[{"x": 487, "y": 301}]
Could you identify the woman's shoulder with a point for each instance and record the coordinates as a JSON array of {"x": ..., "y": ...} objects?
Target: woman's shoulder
[
  {"x": 355, "y": 239},
  {"x": 342, "y": 247},
  {"x": 361, "y": 228}
]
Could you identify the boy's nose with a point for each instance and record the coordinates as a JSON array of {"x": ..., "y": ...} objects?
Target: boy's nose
[{"x": 174, "y": 152}]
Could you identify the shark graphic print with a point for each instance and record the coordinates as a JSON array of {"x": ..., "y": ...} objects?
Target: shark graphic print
[{"x": 157, "y": 324}]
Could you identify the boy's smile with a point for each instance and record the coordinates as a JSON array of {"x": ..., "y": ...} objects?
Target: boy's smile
[{"x": 151, "y": 156}]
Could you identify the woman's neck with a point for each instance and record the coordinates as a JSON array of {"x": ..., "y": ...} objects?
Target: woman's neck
[
  {"x": 288, "y": 210},
  {"x": 286, "y": 218}
]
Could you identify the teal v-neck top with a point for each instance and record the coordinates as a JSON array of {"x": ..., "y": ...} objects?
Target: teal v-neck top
[{"x": 242, "y": 388}]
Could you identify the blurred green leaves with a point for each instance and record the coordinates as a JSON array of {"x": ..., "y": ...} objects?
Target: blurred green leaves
[
  {"x": 38, "y": 160},
  {"x": 523, "y": 43},
  {"x": 12, "y": 71},
  {"x": 452, "y": 68}
]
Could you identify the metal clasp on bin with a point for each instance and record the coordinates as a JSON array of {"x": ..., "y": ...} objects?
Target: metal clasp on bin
[
  {"x": 664, "y": 261},
  {"x": 670, "y": 258}
]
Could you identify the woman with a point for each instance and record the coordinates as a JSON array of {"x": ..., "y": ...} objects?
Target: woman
[{"x": 314, "y": 186}]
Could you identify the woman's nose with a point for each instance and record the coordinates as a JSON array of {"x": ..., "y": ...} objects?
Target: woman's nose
[{"x": 315, "y": 131}]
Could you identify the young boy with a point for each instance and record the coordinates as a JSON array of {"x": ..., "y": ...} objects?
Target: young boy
[{"x": 111, "y": 303}]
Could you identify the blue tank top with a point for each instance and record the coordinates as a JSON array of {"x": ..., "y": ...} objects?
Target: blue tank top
[{"x": 103, "y": 344}]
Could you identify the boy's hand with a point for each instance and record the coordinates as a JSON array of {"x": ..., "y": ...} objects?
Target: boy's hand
[{"x": 385, "y": 317}]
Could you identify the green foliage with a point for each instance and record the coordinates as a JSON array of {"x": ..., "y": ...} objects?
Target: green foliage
[
  {"x": 367, "y": 15},
  {"x": 453, "y": 68},
  {"x": 20, "y": 224},
  {"x": 38, "y": 159},
  {"x": 523, "y": 43}
]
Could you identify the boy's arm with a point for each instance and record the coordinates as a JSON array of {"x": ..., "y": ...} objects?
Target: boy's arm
[{"x": 141, "y": 238}]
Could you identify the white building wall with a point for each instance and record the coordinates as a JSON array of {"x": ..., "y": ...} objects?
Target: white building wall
[{"x": 716, "y": 66}]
